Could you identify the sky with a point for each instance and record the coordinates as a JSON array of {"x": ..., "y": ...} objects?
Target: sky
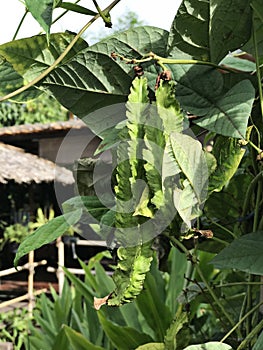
[{"x": 157, "y": 13}]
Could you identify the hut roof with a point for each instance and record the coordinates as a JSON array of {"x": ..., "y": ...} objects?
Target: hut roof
[
  {"x": 23, "y": 167},
  {"x": 39, "y": 128}
]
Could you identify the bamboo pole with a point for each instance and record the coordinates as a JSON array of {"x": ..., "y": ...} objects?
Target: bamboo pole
[
  {"x": 21, "y": 298},
  {"x": 30, "y": 287},
  {"x": 61, "y": 263},
  {"x": 20, "y": 268}
]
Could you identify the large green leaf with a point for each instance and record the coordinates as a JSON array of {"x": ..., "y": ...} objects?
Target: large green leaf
[
  {"x": 175, "y": 284},
  {"x": 190, "y": 194},
  {"x": 31, "y": 56},
  {"x": 209, "y": 346},
  {"x": 244, "y": 253},
  {"x": 42, "y": 11},
  {"x": 10, "y": 80},
  {"x": 229, "y": 116},
  {"x": 156, "y": 314},
  {"x": 92, "y": 79},
  {"x": 208, "y": 30},
  {"x": 47, "y": 233},
  {"x": 198, "y": 87}
]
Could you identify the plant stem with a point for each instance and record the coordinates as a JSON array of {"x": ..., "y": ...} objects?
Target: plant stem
[
  {"x": 213, "y": 295},
  {"x": 240, "y": 321},
  {"x": 255, "y": 147},
  {"x": 20, "y": 24},
  {"x": 257, "y": 206},
  {"x": 251, "y": 335},
  {"x": 220, "y": 241},
  {"x": 222, "y": 227},
  {"x": 250, "y": 192},
  {"x": 248, "y": 307},
  {"x": 59, "y": 59},
  {"x": 161, "y": 61},
  {"x": 233, "y": 284},
  {"x": 193, "y": 259},
  {"x": 257, "y": 64},
  {"x": 102, "y": 14}
]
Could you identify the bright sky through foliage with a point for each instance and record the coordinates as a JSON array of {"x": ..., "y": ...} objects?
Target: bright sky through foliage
[{"x": 148, "y": 11}]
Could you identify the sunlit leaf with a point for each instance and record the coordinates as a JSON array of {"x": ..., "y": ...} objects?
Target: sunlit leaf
[
  {"x": 47, "y": 233},
  {"x": 31, "y": 56},
  {"x": 42, "y": 11},
  {"x": 77, "y": 8}
]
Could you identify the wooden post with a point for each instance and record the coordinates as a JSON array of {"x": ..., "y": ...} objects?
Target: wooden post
[
  {"x": 30, "y": 290},
  {"x": 61, "y": 263}
]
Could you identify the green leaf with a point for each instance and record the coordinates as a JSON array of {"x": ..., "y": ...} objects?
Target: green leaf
[
  {"x": 60, "y": 341},
  {"x": 191, "y": 193},
  {"x": 123, "y": 337},
  {"x": 110, "y": 137},
  {"x": 42, "y": 11},
  {"x": 228, "y": 153},
  {"x": 88, "y": 204},
  {"x": 92, "y": 79},
  {"x": 10, "y": 80},
  {"x": 172, "y": 333},
  {"x": 175, "y": 284},
  {"x": 244, "y": 253},
  {"x": 82, "y": 287},
  {"x": 259, "y": 343},
  {"x": 129, "y": 276},
  {"x": 136, "y": 117},
  {"x": 208, "y": 30},
  {"x": 209, "y": 346},
  {"x": 168, "y": 107},
  {"x": 256, "y": 5},
  {"x": 78, "y": 341},
  {"x": 77, "y": 8},
  {"x": 198, "y": 87},
  {"x": 153, "y": 308},
  {"x": 229, "y": 117},
  {"x": 239, "y": 63},
  {"x": 31, "y": 56},
  {"x": 47, "y": 233}
]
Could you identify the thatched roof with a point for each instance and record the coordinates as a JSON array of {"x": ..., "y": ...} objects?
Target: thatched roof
[
  {"x": 37, "y": 128},
  {"x": 22, "y": 167}
]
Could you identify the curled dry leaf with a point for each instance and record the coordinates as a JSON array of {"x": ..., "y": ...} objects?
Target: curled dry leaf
[{"x": 98, "y": 302}]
